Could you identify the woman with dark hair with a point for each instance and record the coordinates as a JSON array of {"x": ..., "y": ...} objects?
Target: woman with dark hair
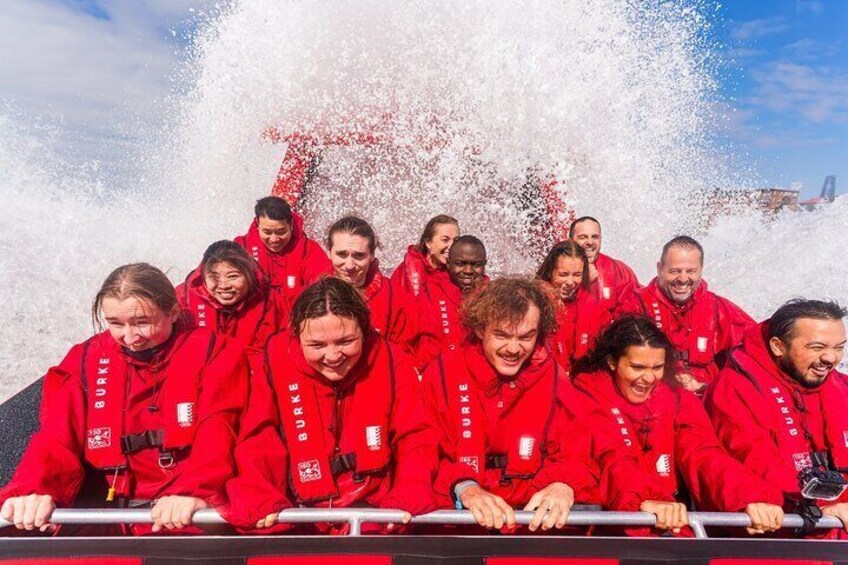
[
  {"x": 500, "y": 404},
  {"x": 428, "y": 257},
  {"x": 352, "y": 245},
  {"x": 647, "y": 435},
  {"x": 228, "y": 294},
  {"x": 278, "y": 242},
  {"x": 144, "y": 413},
  {"x": 580, "y": 317},
  {"x": 347, "y": 427}
]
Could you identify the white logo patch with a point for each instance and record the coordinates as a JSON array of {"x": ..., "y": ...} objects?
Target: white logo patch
[
  {"x": 185, "y": 414},
  {"x": 664, "y": 465},
  {"x": 374, "y": 437},
  {"x": 802, "y": 461},
  {"x": 605, "y": 291},
  {"x": 472, "y": 462},
  {"x": 702, "y": 344},
  {"x": 525, "y": 447},
  {"x": 99, "y": 438},
  {"x": 309, "y": 470},
  {"x": 290, "y": 281}
]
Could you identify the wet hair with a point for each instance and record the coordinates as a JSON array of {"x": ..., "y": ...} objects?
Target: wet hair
[
  {"x": 467, "y": 240},
  {"x": 140, "y": 280},
  {"x": 565, "y": 248},
  {"x": 234, "y": 254},
  {"x": 273, "y": 208},
  {"x": 330, "y": 296},
  {"x": 507, "y": 300},
  {"x": 430, "y": 230},
  {"x": 782, "y": 322},
  {"x": 353, "y": 226},
  {"x": 579, "y": 220},
  {"x": 628, "y": 331},
  {"x": 683, "y": 242}
]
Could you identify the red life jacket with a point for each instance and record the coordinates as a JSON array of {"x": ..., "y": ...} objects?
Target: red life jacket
[
  {"x": 105, "y": 371},
  {"x": 647, "y": 430},
  {"x": 379, "y": 295},
  {"x": 579, "y": 322},
  {"x": 363, "y": 442},
  {"x": 692, "y": 327},
  {"x": 414, "y": 273},
  {"x": 240, "y": 322},
  {"x": 467, "y": 377},
  {"x": 615, "y": 281},
  {"x": 789, "y": 402}
]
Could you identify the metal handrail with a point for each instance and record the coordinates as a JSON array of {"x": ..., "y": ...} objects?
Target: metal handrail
[{"x": 355, "y": 517}]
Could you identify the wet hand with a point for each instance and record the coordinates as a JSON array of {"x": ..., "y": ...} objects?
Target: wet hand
[
  {"x": 489, "y": 511},
  {"x": 670, "y": 515},
  {"x": 764, "y": 517},
  {"x": 175, "y": 512},
  {"x": 556, "y": 501},
  {"x": 391, "y": 528},
  {"x": 267, "y": 521},
  {"x": 838, "y": 510},
  {"x": 29, "y": 512},
  {"x": 689, "y": 382}
]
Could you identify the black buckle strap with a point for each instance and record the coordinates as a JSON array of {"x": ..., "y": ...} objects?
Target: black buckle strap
[
  {"x": 496, "y": 461},
  {"x": 342, "y": 463},
  {"x": 682, "y": 355},
  {"x": 131, "y": 443},
  {"x": 811, "y": 514}
]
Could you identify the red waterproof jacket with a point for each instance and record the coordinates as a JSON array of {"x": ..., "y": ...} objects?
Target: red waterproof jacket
[
  {"x": 251, "y": 322},
  {"x": 394, "y": 313},
  {"x": 365, "y": 440},
  {"x": 301, "y": 262},
  {"x": 579, "y": 322},
  {"x": 194, "y": 390},
  {"x": 642, "y": 449},
  {"x": 414, "y": 274},
  {"x": 614, "y": 284},
  {"x": 703, "y": 330},
  {"x": 764, "y": 417},
  {"x": 514, "y": 437}
]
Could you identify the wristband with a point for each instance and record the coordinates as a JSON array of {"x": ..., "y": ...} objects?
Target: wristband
[{"x": 461, "y": 488}]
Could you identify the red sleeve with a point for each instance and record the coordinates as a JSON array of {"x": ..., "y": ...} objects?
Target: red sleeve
[
  {"x": 631, "y": 304},
  {"x": 627, "y": 282},
  {"x": 567, "y": 459},
  {"x": 415, "y": 447},
  {"x": 624, "y": 483},
  {"x": 222, "y": 397},
  {"x": 740, "y": 416},
  {"x": 733, "y": 323},
  {"x": 268, "y": 326},
  {"x": 261, "y": 458},
  {"x": 716, "y": 480},
  {"x": 52, "y": 463},
  {"x": 316, "y": 264}
]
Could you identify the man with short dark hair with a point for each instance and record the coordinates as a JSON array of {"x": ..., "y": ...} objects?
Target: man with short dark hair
[
  {"x": 779, "y": 406},
  {"x": 702, "y": 325},
  {"x": 610, "y": 280}
]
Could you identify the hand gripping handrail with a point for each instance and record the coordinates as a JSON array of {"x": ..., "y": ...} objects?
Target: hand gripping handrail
[{"x": 355, "y": 517}]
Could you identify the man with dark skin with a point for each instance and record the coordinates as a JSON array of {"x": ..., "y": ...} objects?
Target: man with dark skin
[{"x": 467, "y": 262}]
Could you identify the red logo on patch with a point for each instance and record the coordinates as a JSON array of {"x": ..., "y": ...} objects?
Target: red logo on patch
[
  {"x": 99, "y": 438},
  {"x": 802, "y": 461},
  {"x": 309, "y": 470}
]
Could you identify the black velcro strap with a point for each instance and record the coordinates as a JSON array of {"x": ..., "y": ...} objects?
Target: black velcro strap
[
  {"x": 131, "y": 443},
  {"x": 811, "y": 515},
  {"x": 342, "y": 463},
  {"x": 496, "y": 461},
  {"x": 681, "y": 355}
]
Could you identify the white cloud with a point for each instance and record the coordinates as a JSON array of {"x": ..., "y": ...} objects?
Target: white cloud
[
  {"x": 756, "y": 29},
  {"x": 817, "y": 93},
  {"x": 814, "y": 6}
]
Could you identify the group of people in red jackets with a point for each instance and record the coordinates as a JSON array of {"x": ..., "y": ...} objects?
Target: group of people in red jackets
[{"x": 281, "y": 375}]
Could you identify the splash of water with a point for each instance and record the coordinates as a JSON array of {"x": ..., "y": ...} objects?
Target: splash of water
[{"x": 614, "y": 99}]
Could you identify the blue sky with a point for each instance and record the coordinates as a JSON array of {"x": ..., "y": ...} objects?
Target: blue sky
[
  {"x": 787, "y": 76},
  {"x": 99, "y": 74}
]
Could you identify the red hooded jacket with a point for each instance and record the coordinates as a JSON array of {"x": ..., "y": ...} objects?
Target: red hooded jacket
[
  {"x": 251, "y": 322},
  {"x": 505, "y": 434},
  {"x": 763, "y": 416},
  {"x": 414, "y": 274},
  {"x": 394, "y": 313},
  {"x": 614, "y": 284},
  {"x": 363, "y": 440},
  {"x": 197, "y": 388},
  {"x": 299, "y": 264},
  {"x": 579, "y": 322},
  {"x": 642, "y": 449},
  {"x": 702, "y": 330}
]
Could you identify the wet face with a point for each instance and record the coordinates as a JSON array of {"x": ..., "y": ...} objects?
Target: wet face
[
  {"x": 679, "y": 273},
  {"x": 331, "y": 345},
  {"x": 814, "y": 349},
  {"x": 351, "y": 258},
  {"x": 467, "y": 265},
  {"x": 507, "y": 347},
  {"x": 587, "y": 234},
  {"x": 275, "y": 234},
  {"x": 638, "y": 371},
  {"x": 137, "y": 324},
  {"x": 439, "y": 245},
  {"x": 567, "y": 276},
  {"x": 225, "y": 283}
]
